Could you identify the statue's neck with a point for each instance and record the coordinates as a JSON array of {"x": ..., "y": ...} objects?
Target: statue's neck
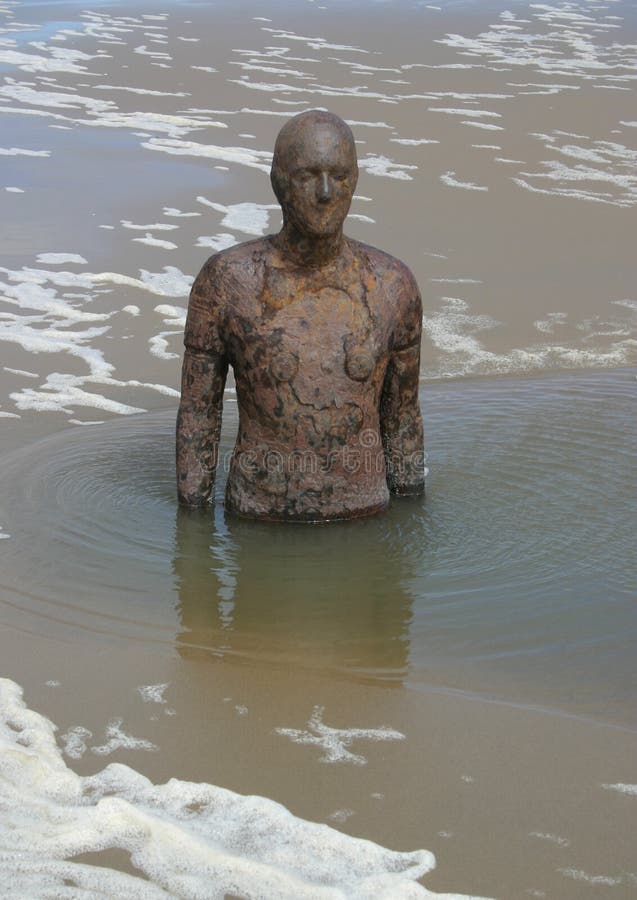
[{"x": 311, "y": 252}]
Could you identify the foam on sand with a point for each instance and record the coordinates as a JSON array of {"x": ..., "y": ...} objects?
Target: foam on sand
[
  {"x": 630, "y": 789},
  {"x": 449, "y": 178},
  {"x": 335, "y": 741},
  {"x": 18, "y": 151},
  {"x": 151, "y": 241},
  {"x": 60, "y": 258},
  {"x": 186, "y": 839},
  {"x": 249, "y": 218},
  {"x": 152, "y": 693}
]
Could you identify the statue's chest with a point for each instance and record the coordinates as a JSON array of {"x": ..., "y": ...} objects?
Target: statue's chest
[{"x": 326, "y": 320}]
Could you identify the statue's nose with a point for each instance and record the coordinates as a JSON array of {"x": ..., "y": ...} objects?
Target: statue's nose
[{"x": 324, "y": 191}]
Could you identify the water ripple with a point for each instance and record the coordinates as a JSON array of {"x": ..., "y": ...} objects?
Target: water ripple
[{"x": 520, "y": 560}]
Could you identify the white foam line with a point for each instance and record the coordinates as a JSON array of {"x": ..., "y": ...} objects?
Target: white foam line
[
  {"x": 408, "y": 66},
  {"x": 151, "y": 241},
  {"x": 22, "y": 372},
  {"x": 254, "y": 159},
  {"x": 60, "y": 258},
  {"x": 60, "y": 60},
  {"x": 271, "y": 70},
  {"x": 177, "y": 213},
  {"x": 155, "y": 54},
  {"x": 171, "y": 282},
  {"x": 486, "y": 126},
  {"x": 469, "y": 113},
  {"x": 630, "y": 789},
  {"x": 357, "y": 123},
  {"x": 366, "y": 67},
  {"x": 158, "y": 345},
  {"x": 249, "y": 218},
  {"x": 132, "y": 382},
  {"x": 413, "y": 142},
  {"x": 24, "y": 93},
  {"x": 384, "y": 167},
  {"x": 590, "y": 196},
  {"x": 31, "y": 295},
  {"x": 566, "y": 53},
  {"x": 552, "y": 320},
  {"x": 450, "y": 180},
  {"x": 18, "y": 151},
  {"x": 14, "y": 190},
  {"x": 132, "y": 90},
  {"x": 319, "y": 90},
  {"x": 218, "y": 241},
  {"x": 174, "y": 315},
  {"x": 157, "y": 226},
  {"x": 174, "y": 126},
  {"x": 281, "y": 53},
  {"x": 454, "y": 330},
  {"x": 550, "y": 838},
  {"x": 64, "y": 396},
  {"x": 628, "y": 304},
  {"x": 455, "y": 280},
  {"x": 315, "y": 43},
  {"x": 283, "y": 114},
  {"x": 600, "y": 880}
]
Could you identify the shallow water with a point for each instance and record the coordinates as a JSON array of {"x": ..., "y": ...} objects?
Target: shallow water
[
  {"x": 513, "y": 579},
  {"x": 457, "y": 673}
]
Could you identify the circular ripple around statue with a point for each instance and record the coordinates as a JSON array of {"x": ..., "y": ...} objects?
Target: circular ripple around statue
[{"x": 526, "y": 527}]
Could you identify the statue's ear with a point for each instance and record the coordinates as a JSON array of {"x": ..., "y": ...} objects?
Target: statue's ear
[{"x": 279, "y": 184}]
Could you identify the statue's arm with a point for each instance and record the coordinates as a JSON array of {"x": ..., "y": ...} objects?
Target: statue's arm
[
  {"x": 203, "y": 380},
  {"x": 400, "y": 417}
]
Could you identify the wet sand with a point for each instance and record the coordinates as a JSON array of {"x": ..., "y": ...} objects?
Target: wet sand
[{"x": 509, "y": 800}]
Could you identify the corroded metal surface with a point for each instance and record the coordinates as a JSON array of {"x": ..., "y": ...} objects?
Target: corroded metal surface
[{"x": 323, "y": 335}]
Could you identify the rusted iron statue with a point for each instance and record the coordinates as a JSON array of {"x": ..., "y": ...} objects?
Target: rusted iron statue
[{"x": 323, "y": 335}]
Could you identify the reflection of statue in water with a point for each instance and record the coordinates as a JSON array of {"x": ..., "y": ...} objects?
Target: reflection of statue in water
[
  {"x": 323, "y": 335},
  {"x": 249, "y": 591}
]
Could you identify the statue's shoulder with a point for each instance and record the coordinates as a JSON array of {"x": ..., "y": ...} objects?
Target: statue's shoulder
[
  {"x": 380, "y": 261},
  {"x": 241, "y": 259}
]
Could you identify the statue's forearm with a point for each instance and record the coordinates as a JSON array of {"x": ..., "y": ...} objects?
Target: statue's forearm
[
  {"x": 199, "y": 427},
  {"x": 401, "y": 425},
  {"x": 404, "y": 457}
]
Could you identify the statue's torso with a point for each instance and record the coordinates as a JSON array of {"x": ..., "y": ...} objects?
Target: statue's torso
[{"x": 309, "y": 349}]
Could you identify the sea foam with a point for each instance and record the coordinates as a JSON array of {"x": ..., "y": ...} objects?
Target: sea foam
[{"x": 186, "y": 839}]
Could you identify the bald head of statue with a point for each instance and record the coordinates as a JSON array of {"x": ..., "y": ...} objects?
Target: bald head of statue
[{"x": 314, "y": 174}]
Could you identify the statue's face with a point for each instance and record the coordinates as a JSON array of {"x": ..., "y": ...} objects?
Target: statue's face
[{"x": 321, "y": 177}]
